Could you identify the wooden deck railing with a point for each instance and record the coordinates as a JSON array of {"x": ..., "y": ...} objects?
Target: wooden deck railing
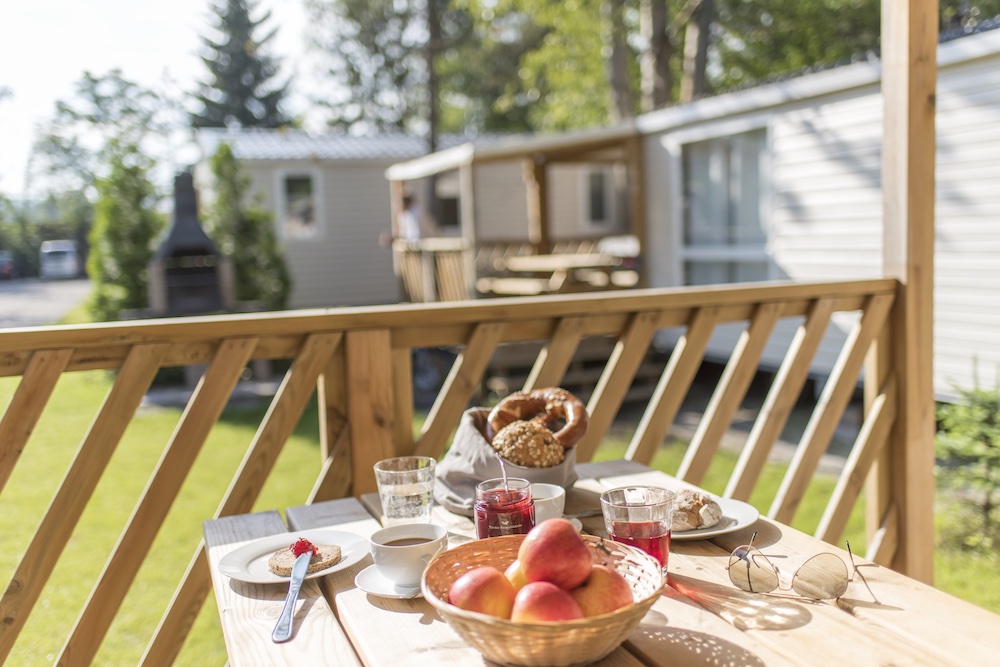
[{"x": 357, "y": 362}]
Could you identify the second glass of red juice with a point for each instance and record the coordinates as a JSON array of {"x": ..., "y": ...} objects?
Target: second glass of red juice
[
  {"x": 504, "y": 507},
  {"x": 640, "y": 516}
]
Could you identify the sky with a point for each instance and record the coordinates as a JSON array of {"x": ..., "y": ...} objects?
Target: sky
[{"x": 46, "y": 45}]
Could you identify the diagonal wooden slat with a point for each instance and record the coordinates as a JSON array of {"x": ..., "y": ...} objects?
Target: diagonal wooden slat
[
  {"x": 174, "y": 626},
  {"x": 465, "y": 377},
  {"x": 286, "y": 408},
  {"x": 780, "y": 401},
  {"x": 75, "y": 490},
  {"x": 32, "y": 395},
  {"x": 557, "y": 354},
  {"x": 672, "y": 387},
  {"x": 869, "y": 444},
  {"x": 830, "y": 408},
  {"x": 202, "y": 412},
  {"x": 282, "y": 416},
  {"x": 334, "y": 480},
  {"x": 729, "y": 393},
  {"x": 629, "y": 352},
  {"x": 884, "y": 542}
]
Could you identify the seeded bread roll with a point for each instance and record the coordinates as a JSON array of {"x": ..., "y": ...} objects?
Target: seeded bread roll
[
  {"x": 282, "y": 560},
  {"x": 530, "y": 444},
  {"x": 693, "y": 510}
]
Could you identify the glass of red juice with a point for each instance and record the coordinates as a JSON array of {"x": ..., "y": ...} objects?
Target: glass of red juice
[
  {"x": 640, "y": 516},
  {"x": 504, "y": 507}
]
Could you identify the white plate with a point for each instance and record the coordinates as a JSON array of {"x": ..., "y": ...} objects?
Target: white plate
[
  {"x": 249, "y": 562},
  {"x": 736, "y": 514},
  {"x": 372, "y": 581}
]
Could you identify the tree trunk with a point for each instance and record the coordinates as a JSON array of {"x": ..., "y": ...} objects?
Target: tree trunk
[
  {"x": 433, "y": 122},
  {"x": 696, "y": 36},
  {"x": 616, "y": 48},
  {"x": 655, "y": 60}
]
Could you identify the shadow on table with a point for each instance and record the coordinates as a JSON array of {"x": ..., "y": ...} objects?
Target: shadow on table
[
  {"x": 744, "y": 611},
  {"x": 654, "y": 637}
]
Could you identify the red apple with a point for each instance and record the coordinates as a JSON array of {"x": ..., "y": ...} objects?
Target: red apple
[
  {"x": 515, "y": 574},
  {"x": 554, "y": 551},
  {"x": 541, "y": 601},
  {"x": 604, "y": 591},
  {"x": 484, "y": 589}
]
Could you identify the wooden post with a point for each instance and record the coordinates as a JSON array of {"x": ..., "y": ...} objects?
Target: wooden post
[
  {"x": 370, "y": 409},
  {"x": 909, "y": 77},
  {"x": 636, "y": 170},
  {"x": 535, "y": 183},
  {"x": 467, "y": 219}
]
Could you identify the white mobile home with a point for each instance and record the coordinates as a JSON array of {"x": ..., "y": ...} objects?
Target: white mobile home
[
  {"x": 331, "y": 205},
  {"x": 784, "y": 182}
]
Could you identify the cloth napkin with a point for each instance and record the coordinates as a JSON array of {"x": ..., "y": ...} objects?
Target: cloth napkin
[{"x": 471, "y": 459}]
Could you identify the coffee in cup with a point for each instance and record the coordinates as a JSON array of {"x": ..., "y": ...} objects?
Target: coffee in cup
[{"x": 402, "y": 552}]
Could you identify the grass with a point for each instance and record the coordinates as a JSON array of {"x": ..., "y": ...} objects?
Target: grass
[{"x": 53, "y": 446}]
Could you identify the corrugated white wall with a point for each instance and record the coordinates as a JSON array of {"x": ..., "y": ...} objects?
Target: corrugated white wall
[
  {"x": 967, "y": 251},
  {"x": 823, "y": 206},
  {"x": 344, "y": 265}
]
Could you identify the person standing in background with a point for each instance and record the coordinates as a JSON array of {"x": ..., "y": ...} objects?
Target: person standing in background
[{"x": 413, "y": 224}]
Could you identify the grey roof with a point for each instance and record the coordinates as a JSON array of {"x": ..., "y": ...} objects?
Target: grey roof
[{"x": 264, "y": 144}]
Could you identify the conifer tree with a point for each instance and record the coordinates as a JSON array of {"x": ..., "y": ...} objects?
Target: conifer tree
[{"x": 242, "y": 89}]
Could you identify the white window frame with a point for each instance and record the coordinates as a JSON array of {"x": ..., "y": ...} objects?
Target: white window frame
[
  {"x": 675, "y": 144},
  {"x": 281, "y": 204}
]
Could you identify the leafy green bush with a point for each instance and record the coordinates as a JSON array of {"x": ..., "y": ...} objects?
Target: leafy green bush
[{"x": 968, "y": 451}]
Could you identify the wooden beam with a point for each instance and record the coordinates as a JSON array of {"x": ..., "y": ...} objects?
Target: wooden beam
[
  {"x": 536, "y": 186},
  {"x": 467, "y": 221},
  {"x": 909, "y": 77}
]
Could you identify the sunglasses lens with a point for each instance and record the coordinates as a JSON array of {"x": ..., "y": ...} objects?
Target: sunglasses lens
[
  {"x": 822, "y": 577},
  {"x": 751, "y": 571}
]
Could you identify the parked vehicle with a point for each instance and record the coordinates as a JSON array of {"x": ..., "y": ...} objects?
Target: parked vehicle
[
  {"x": 6, "y": 265},
  {"x": 59, "y": 259}
]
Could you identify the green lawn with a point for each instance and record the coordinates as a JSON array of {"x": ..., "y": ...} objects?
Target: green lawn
[{"x": 53, "y": 445}]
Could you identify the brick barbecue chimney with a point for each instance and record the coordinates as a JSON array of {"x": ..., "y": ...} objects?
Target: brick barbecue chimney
[{"x": 188, "y": 275}]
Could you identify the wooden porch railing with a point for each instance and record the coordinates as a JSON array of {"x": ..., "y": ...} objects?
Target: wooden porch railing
[{"x": 357, "y": 362}]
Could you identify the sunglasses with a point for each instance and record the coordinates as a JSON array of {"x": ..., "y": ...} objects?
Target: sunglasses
[{"x": 822, "y": 577}]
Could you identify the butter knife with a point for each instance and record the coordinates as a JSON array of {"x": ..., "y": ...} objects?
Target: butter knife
[{"x": 283, "y": 629}]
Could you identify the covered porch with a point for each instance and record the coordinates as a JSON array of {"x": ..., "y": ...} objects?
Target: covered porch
[{"x": 356, "y": 364}]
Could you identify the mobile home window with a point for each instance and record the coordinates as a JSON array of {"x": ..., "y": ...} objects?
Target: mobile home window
[
  {"x": 597, "y": 197},
  {"x": 724, "y": 237},
  {"x": 298, "y": 215}
]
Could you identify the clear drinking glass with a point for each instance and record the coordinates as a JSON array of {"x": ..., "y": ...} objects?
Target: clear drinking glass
[
  {"x": 405, "y": 489},
  {"x": 640, "y": 516}
]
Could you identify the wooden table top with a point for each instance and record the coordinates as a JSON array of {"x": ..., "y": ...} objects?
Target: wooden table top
[
  {"x": 559, "y": 262},
  {"x": 702, "y": 619}
]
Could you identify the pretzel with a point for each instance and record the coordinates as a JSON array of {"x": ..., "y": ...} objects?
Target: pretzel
[{"x": 547, "y": 405}]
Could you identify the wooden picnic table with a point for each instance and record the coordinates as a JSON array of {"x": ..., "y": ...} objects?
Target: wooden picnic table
[
  {"x": 702, "y": 619},
  {"x": 557, "y": 273}
]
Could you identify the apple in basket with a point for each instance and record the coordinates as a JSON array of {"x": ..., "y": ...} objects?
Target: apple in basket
[
  {"x": 515, "y": 575},
  {"x": 485, "y": 590},
  {"x": 541, "y": 601},
  {"x": 553, "y": 551},
  {"x": 604, "y": 591}
]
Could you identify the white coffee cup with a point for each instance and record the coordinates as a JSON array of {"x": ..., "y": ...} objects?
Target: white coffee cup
[
  {"x": 549, "y": 500},
  {"x": 402, "y": 552}
]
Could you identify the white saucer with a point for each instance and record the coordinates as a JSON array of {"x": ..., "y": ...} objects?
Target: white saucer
[
  {"x": 372, "y": 581},
  {"x": 576, "y": 524}
]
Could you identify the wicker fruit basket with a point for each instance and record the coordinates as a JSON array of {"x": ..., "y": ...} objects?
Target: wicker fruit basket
[{"x": 562, "y": 644}]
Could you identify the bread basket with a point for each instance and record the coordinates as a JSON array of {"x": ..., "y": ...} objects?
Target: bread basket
[{"x": 562, "y": 644}]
